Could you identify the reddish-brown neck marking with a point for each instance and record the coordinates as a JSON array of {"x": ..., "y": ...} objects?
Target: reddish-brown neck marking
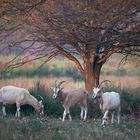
[
  {"x": 62, "y": 96},
  {"x": 100, "y": 100}
]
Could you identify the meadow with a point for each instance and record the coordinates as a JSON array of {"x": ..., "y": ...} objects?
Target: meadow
[
  {"x": 50, "y": 126},
  {"x": 46, "y": 128},
  {"x": 39, "y": 80}
]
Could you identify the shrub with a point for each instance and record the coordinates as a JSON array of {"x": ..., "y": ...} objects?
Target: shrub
[
  {"x": 130, "y": 103},
  {"x": 43, "y": 72}
]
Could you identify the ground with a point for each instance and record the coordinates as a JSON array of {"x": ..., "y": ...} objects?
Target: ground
[{"x": 46, "y": 128}]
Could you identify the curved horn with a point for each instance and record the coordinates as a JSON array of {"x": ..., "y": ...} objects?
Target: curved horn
[
  {"x": 103, "y": 82},
  {"x": 41, "y": 97},
  {"x": 55, "y": 83},
  {"x": 95, "y": 85},
  {"x": 60, "y": 83}
]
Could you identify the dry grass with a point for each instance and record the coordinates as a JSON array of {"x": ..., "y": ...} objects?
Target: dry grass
[
  {"x": 28, "y": 83},
  {"x": 123, "y": 81}
]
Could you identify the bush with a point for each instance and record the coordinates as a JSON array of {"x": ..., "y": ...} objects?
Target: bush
[
  {"x": 43, "y": 72},
  {"x": 93, "y": 109},
  {"x": 51, "y": 107},
  {"x": 130, "y": 103}
]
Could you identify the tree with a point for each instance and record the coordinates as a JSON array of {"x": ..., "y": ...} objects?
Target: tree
[{"x": 90, "y": 31}]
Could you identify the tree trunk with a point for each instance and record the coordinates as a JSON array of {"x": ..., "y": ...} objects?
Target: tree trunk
[
  {"x": 88, "y": 76},
  {"x": 90, "y": 69},
  {"x": 97, "y": 72},
  {"x": 92, "y": 76},
  {"x": 89, "y": 80}
]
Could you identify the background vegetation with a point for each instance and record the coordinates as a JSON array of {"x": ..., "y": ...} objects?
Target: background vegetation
[
  {"x": 39, "y": 80},
  {"x": 62, "y": 67}
]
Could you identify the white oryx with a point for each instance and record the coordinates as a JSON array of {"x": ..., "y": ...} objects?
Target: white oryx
[
  {"x": 109, "y": 102},
  {"x": 19, "y": 96}
]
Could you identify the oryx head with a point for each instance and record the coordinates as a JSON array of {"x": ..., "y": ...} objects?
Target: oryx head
[
  {"x": 57, "y": 89},
  {"x": 97, "y": 91}
]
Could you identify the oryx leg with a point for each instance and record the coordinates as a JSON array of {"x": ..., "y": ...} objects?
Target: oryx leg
[
  {"x": 112, "y": 117},
  {"x": 85, "y": 115},
  {"x": 4, "y": 109},
  {"x": 82, "y": 111},
  {"x": 70, "y": 118},
  {"x": 118, "y": 114},
  {"x": 18, "y": 110},
  {"x": 66, "y": 110},
  {"x": 105, "y": 118}
]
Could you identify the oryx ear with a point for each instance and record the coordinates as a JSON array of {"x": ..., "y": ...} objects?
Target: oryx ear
[
  {"x": 102, "y": 88},
  {"x": 61, "y": 88},
  {"x": 40, "y": 102},
  {"x": 100, "y": 91}
]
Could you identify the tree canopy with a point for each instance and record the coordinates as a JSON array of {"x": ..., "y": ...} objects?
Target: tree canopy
[{"x": 89, "y": 30}]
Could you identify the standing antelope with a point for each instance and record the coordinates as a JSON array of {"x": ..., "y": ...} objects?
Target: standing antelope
[
  {"x": 109, "y": 102},
  {"x": 71, "y": 98}
]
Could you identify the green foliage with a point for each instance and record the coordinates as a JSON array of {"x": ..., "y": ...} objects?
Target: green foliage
[
  {"x": 130, "y": 100},
  {"x": 93, "y": 109},
  {"x": 52, "y": 108},
  {"x": 134, "y": 71},
  {"x": 60, "y": 68},
  {"x": 31, "y": 72}
]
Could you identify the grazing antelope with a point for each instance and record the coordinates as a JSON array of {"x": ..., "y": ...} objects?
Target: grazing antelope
[{"x": 19, "y": 96}]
